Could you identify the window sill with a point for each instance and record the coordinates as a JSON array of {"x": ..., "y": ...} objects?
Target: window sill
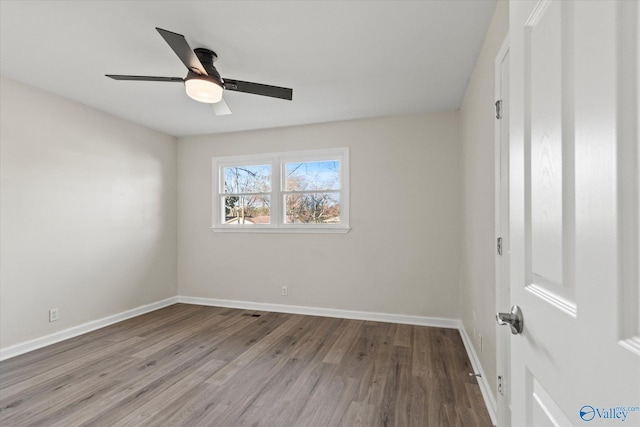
[{"x": 292, "y": 230}]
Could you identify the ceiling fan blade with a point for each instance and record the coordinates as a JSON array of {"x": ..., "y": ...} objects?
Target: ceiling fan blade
[
  {"x": 179, "y": 44},
  {"x": 258, "y": 89},
  {"x": 221, "y": 108},
  {"x": 146, "y": 78}
]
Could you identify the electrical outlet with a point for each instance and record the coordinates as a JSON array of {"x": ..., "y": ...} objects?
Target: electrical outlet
[
  {"x": 285, "y": 291},
  {"x": 53, "y": 314}
]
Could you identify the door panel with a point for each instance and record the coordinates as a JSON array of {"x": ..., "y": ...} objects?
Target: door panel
[
  {"x": 544, "y": 72},
  {"x": 549, "y": 158},
  {"x": 629, "y": 177},
  {"x": 542, "y": 407},
  {"x": 574, "y": 212}
]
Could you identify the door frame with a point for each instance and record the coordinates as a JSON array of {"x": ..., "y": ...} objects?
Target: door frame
[{"x": 502, "y": 285}]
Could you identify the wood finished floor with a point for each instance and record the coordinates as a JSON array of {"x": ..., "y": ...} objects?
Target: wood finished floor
[{"x": 190, "y": 365}]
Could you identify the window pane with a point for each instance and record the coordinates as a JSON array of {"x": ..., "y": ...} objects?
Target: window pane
[
  {"x": 247, "y": 209},
  {"x": 247, "y": 179},
  {"x": 312, "y": 176},
  {"x": 313, "y": 208}
]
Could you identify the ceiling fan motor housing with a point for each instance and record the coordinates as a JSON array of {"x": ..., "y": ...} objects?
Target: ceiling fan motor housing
[{"x": 207, "y": 58}]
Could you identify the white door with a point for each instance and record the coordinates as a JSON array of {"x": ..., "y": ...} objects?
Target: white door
[{"x": 574, "y": 203}]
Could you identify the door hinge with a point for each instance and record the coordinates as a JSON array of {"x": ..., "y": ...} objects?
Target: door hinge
[
  {"x": 500, "y": 389},
  {"x": 499, "y": 109},
  {"x": 499, "y": 245}
]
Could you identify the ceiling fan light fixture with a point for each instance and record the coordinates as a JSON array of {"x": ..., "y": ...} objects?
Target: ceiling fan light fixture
[{"x": 203, "y": 88}]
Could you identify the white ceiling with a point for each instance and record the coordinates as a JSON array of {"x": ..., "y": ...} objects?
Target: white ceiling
[{"x": 343, "y": 59}]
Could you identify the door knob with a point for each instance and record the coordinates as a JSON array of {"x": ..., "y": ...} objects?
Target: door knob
[{"x": 513, "y": 319}]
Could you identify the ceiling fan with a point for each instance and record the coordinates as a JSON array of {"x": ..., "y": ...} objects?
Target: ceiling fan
[{"x": 203, "y": 82}]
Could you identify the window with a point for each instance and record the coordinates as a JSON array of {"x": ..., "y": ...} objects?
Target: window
[{"x": 306, "y": 191}]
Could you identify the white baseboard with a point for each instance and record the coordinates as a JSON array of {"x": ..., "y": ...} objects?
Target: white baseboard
[
  {"x": 27, "y": 346},
  {"x": 437, "y": 322},
  {"x": 487, "y": 394}
]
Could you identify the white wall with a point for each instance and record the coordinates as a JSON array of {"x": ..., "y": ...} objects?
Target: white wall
[
  {"x": 402, "y": 254},
  {"x": 87, "y": 214},
  {"x": 478, "y": 235}
]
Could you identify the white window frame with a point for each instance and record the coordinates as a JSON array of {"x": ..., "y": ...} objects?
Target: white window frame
[{"x": 277, "y": 204}]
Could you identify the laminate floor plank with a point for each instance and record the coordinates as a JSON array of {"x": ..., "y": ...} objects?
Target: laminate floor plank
[
  {"x": 65, "y": 393},
  {"x": 323, "y": 396},
  {"x": 402, "y": 335},
  {"x": 344, "y": 342},
  {"x": 187, "y": 365},
  {"x": 147, "y": 388},
  {"x": 147, "y": 375},
  {"x": 174, "y": 392}
]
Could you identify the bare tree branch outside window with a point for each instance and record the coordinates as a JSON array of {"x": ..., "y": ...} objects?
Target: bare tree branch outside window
[
  {"x": 312, "y": 192},
  {"x": 246, "y": 187}
]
